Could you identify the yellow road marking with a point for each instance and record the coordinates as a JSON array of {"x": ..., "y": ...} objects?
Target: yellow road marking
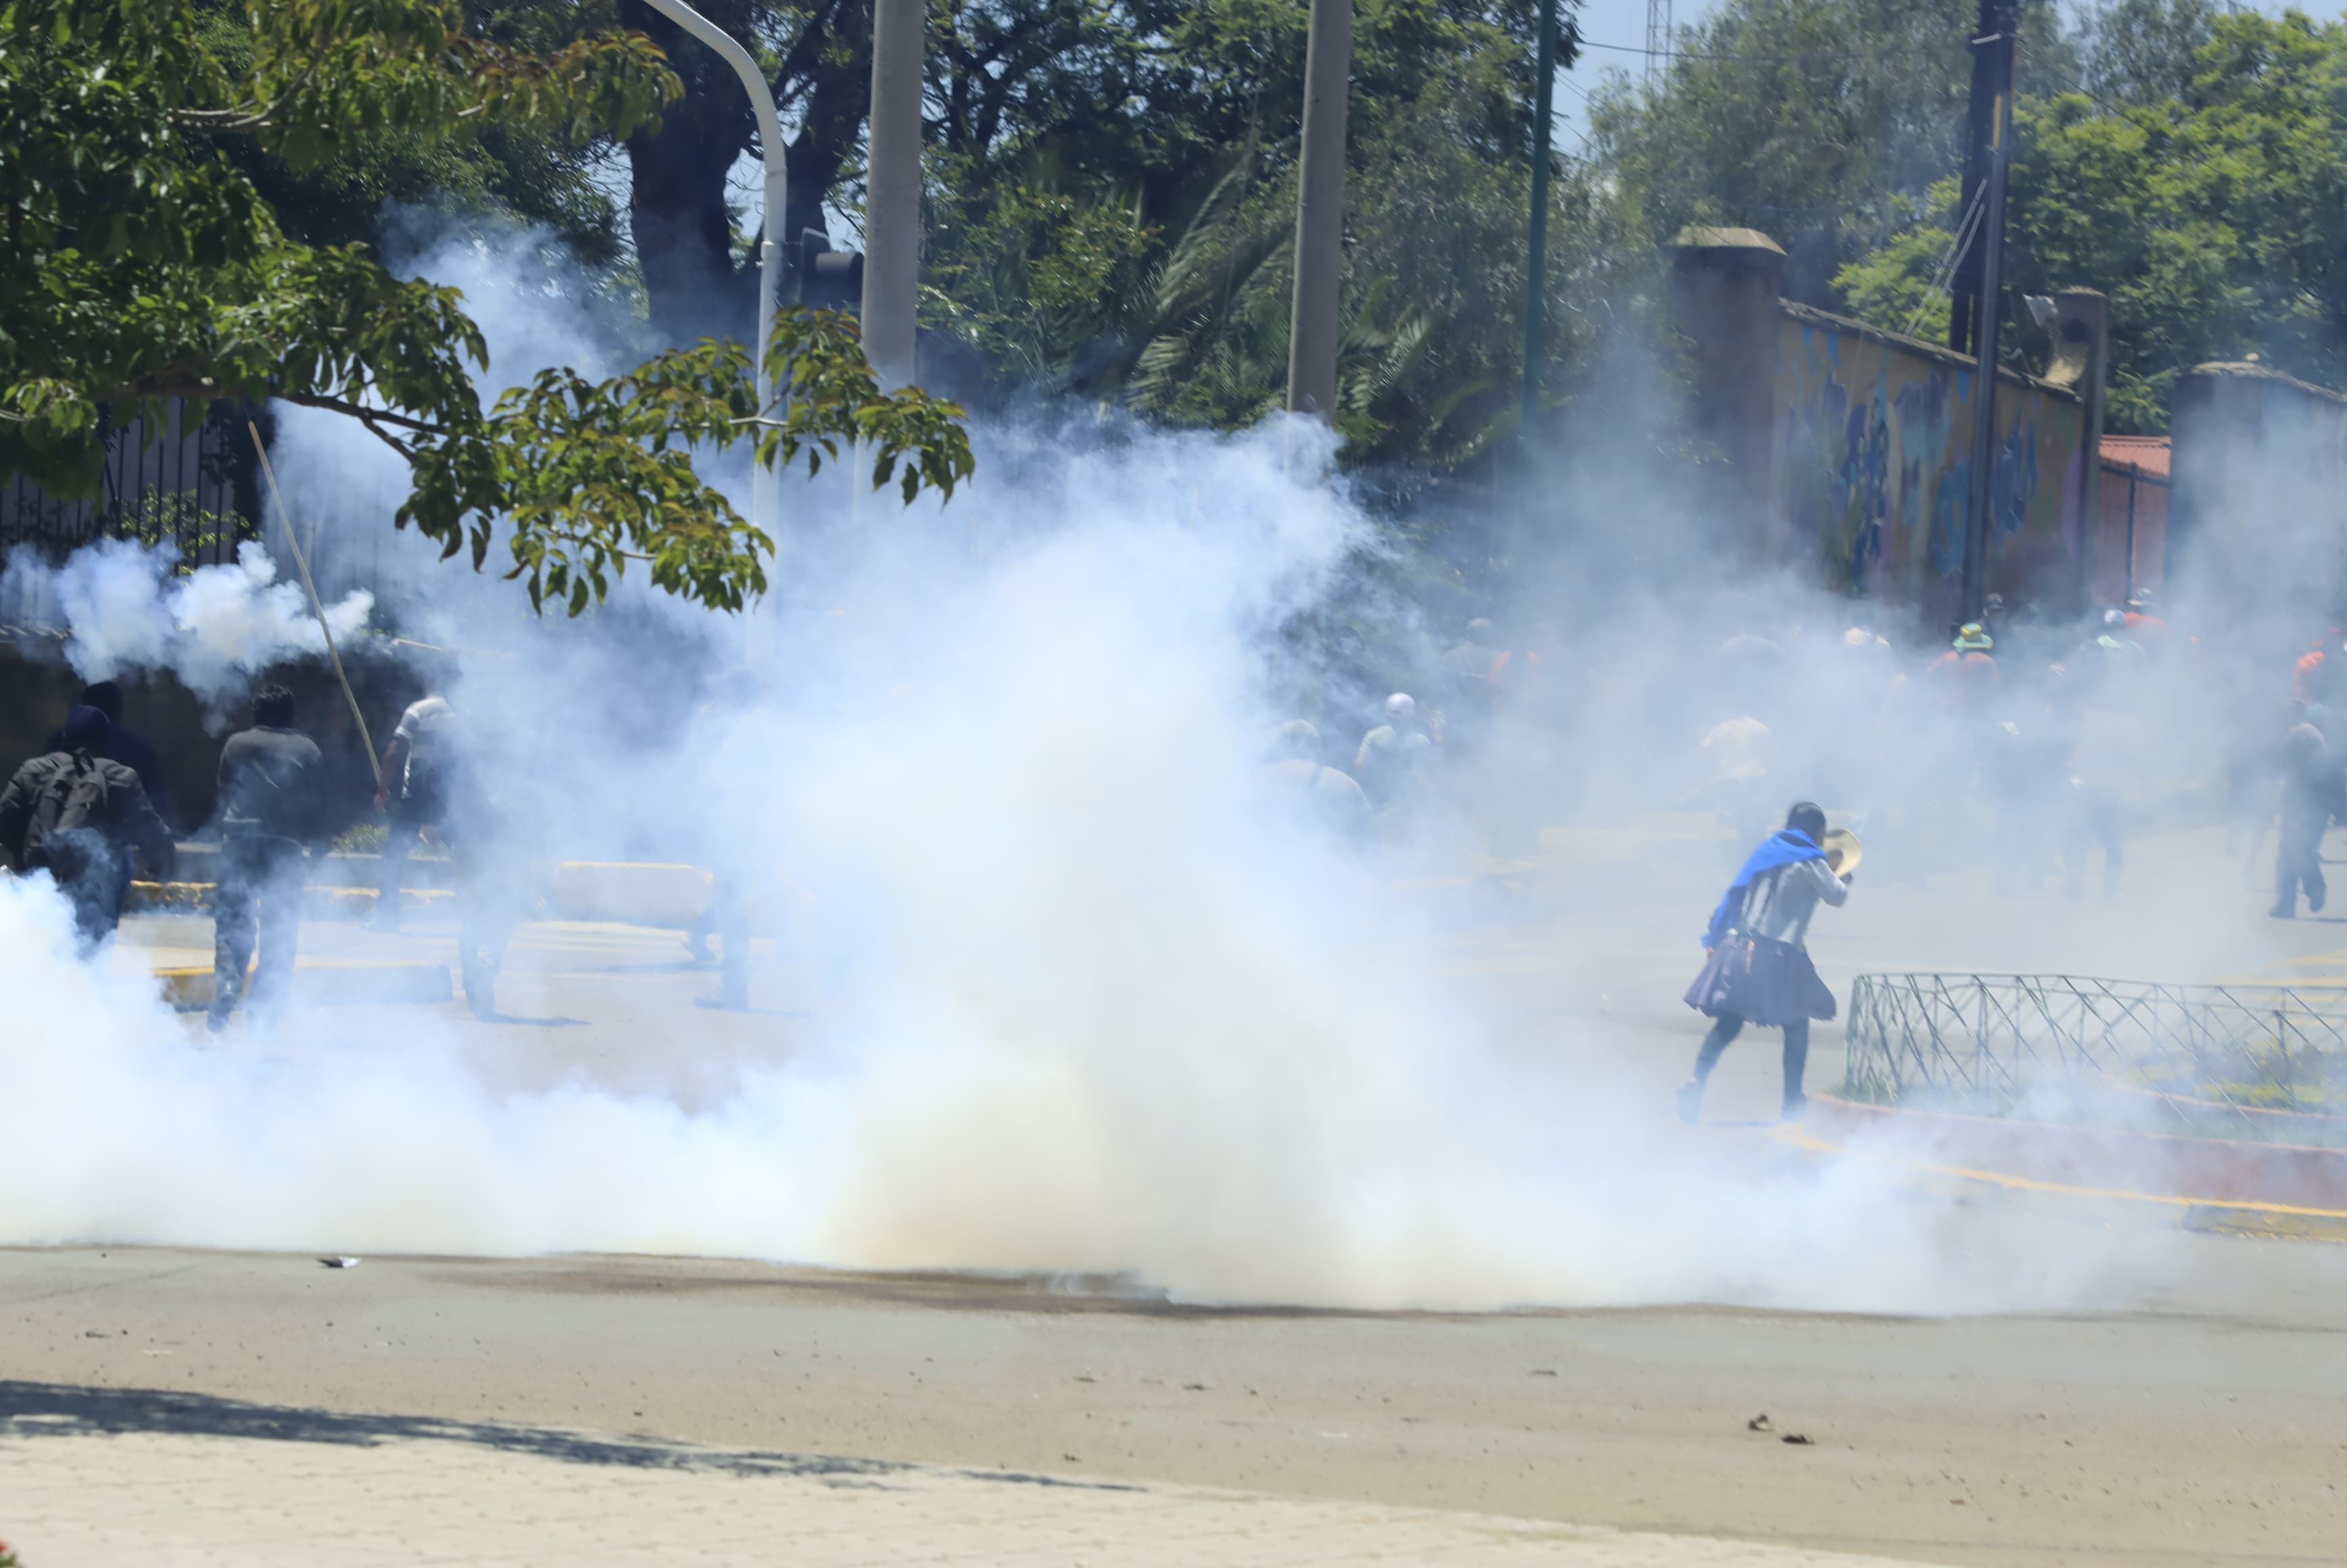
[{"x": 1799, "y": 1138}]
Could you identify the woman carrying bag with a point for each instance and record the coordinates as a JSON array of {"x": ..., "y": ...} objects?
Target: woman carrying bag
[{"x": 1759, "y": 971}]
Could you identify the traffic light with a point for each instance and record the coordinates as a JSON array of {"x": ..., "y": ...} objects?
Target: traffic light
[{"x": 828, "y": 279}]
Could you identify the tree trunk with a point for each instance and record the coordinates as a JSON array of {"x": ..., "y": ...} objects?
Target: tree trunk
[
  {"x": 838, "y": 99},
  {"x": 694, "y": 283}
]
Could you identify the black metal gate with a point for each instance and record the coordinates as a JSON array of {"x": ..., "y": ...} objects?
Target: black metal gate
[{"x": 188, "y": 486}]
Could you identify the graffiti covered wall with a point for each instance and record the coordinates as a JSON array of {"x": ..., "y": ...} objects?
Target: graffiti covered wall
[{"x": 1871, "y": 462}]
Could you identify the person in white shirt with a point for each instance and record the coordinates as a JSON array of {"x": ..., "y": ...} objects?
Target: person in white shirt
[{"x": 413, "y": 794}]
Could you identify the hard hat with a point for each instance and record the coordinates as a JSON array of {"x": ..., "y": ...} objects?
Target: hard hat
[{"x": 1401, "y": 705}]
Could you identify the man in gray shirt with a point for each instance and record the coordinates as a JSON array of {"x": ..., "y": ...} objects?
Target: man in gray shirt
[{"x": 272, "y": 805}]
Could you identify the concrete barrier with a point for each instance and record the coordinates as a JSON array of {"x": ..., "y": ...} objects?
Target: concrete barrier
[
  {"x": 319, "y": 901},
  {"x": 636, "y": 893},
  {"x": 325, "y": 982}
]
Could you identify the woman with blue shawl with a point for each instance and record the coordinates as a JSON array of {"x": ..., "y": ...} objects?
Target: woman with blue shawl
[{"x": 1760, "y": 971}]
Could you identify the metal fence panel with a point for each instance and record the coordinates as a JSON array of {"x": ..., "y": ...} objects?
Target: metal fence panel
[{"x": 2003, "y": 1044}]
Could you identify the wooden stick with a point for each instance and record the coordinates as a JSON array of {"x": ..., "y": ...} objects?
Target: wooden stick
[{"x": 317, "y": 608}]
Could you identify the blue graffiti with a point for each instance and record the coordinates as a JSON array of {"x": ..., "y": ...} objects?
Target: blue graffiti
[{"x": 1948, "y": 506}]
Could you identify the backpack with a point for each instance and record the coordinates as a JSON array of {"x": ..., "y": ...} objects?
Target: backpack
[{"x": 64, "y": 827}]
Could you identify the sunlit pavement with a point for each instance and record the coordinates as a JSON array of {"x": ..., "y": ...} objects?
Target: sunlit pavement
[
  {"x": 265, "y": 1410},
  {"x": 1574, "y": 957},
  {"x": 341, "y": 1493}
]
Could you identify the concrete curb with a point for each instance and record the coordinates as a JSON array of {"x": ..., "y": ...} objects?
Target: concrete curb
[
  {"x": 2162, "y": 1164},
  {"x": 2240, "y": 1216},
  {"x": 326, "y": 982}
]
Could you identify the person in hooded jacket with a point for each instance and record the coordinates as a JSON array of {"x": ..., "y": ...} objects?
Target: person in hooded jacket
[
  {"x": 125, "y": 745},
  {"x": 80, "y": 817}
]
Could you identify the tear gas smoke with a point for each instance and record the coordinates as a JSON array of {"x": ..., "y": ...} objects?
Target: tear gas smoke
[
  {"x": 1090, "y": 1002},
  {"x": 126, "y": 610},
  {"x": 1099, "y": 1010}
]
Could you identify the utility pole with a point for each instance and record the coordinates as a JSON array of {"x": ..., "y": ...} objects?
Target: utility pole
[
  {"x": 1537, "y": 253},
  {"x": 1320, "y": 212},
  {"x": 1996, "y": 157},
  {"x": 1658, "y": 36},
  {"x": 892, "y": 205},
  {"x": 1965, "y": 279},
  {"x": 763, "y": 491}
]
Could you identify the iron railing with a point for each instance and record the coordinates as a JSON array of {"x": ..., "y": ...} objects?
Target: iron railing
[
  {"x": 2269, "y": 1061},
  {"x": 188, "y": 485}
]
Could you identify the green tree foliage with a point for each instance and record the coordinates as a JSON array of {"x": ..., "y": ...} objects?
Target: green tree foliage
[
  {"x": 385, "y": 190},
  {"x": 2214, "y": 217},
  {"x": 2145, "y": 51},
  {"x": 142, "y": 263},
  {"x": 1122, "y": 228},
  {"x": 1823, "y": 123}
]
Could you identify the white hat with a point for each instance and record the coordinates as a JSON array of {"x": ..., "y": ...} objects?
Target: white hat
[{"x": 1401, "y": 705}]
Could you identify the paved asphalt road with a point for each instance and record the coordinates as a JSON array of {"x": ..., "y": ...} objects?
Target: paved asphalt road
[{"x": 2196, "y": 1413}]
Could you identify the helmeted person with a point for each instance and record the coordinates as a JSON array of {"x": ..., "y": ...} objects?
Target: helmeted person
[
  {"x": 1760, "y": 969},
  {"x": 1965, "y": 676},
  {"x": 79, "y": 816},
  {"x": 2144, "y": 621},
  {"x": 271, "y": 808},
  {"x": 2309, "y": 795},
  {"x": 2117, "y": 637},
  {"x": 1394, "y": 755},
  {"x": 1296, "y": 778}
]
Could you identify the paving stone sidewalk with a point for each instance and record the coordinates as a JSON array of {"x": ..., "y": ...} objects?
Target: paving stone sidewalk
[{"x": 73, "y": 1498}]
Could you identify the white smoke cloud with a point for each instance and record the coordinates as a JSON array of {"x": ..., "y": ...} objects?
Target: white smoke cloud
[
  {"x": 124, "y": 608},
  {"x": 1088, "y": 1004},
  {"x": 1096, "y": 1009}
]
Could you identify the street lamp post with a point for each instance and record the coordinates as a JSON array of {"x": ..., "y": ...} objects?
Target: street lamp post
[
  {"x": 1536, "y": 251},
  {"x": 770, "y": 249},
  {"x": 892, "y": 206},
  {"x": 1981, "y": 498},
  {"x": 1315, "y": 320}
]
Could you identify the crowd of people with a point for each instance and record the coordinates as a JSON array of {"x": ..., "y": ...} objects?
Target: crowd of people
[
  {"x": 2023, "y": 748},
  {"x": 2034, "y": 750},
  {"x": 95, "y": 809}
]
